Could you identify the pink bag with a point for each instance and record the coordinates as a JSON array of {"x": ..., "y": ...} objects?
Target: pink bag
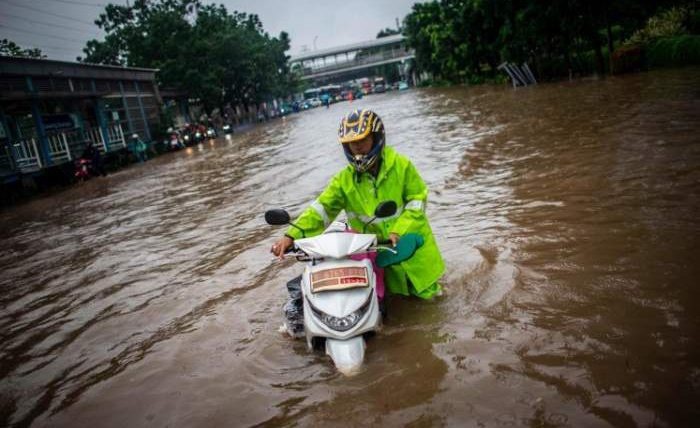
[{"x": 379, "y": 272}]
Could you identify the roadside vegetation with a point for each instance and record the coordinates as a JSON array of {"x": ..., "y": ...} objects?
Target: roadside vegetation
[
  {"x": 669, "y": 39},
  {"x": 464, "y": 41}
]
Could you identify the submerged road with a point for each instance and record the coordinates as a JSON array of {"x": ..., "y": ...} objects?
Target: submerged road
[{"x": 567, "y": 215}]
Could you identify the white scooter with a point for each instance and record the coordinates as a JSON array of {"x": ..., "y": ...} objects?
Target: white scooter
[{"x": 339, "y": 294}]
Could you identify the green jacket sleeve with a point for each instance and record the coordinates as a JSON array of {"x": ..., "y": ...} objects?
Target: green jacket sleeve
[
  {"x": 322, "y": 211},
  {"x": 415, "y": 196}
]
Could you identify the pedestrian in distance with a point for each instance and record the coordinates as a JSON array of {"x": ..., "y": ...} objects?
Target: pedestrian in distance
[{"x": 138, "y": 147}]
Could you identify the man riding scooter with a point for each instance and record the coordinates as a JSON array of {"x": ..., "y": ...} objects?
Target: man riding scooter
[{"x": 375, "y": 173}]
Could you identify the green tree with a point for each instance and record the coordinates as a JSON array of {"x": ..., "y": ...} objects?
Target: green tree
[
  {"x": 458, "y": 40},
  {"x": 10, "y": 48},
  {"x": 214, "y": 55},
  {"x": 426, "y": 33}
]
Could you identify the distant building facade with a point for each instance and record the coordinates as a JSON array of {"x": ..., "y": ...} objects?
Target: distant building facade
[{"x": 48, "y": 109}]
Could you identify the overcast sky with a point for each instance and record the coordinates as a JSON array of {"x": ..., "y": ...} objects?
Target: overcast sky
[{"x": 60, "y": 28}]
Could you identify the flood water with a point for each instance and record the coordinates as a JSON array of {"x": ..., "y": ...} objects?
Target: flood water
[{"x": 567, "y": 215}]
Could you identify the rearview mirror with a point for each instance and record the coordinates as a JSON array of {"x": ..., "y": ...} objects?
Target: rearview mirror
[
  {"x": 277, "y": 217},
  {"x": 385, "y": 209}
]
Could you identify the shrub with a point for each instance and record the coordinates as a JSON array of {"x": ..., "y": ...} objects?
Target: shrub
[
  {"x": 667, "y": 24},
  {"x": 627, "y": 58},
  {"x": 673, "y": 51}
]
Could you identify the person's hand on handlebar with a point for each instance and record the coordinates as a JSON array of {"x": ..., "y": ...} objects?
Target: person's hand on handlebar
[
  {"x": 282, "y": 244},
  {"x": 394, "y": 238}
]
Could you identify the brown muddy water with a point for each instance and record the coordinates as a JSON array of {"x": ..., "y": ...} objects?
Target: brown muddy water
[{"x": 567, "y": 214}]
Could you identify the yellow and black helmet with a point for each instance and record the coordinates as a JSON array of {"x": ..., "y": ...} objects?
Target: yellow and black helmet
[{"x": 357, "y": 125}]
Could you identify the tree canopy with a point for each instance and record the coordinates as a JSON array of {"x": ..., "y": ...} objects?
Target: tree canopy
[
  {"x": 457, "y": 40},
  {"x": 10, "y": 48},
  {"x": 212, "y": 54}
]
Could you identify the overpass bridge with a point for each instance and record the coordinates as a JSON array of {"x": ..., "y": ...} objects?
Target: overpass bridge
[{"x": 353, "y": 61}]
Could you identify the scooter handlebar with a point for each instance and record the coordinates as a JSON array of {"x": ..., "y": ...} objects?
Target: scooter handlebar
[{"x": 297, "y": 253}]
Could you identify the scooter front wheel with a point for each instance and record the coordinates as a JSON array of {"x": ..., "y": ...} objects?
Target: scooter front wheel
[{"x": 347, "y": 355}]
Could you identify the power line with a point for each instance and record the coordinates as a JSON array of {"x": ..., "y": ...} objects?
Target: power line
[
  {"x": 73, "y": 51},
  {"x": 49, "y": 24},
  {"x": 92, "y": 24},
  {"x": 100, "y": 5},
  {"x": 44, "y": 47},
  {"x": 42, "y": 34},
  {"x": 53, "y": 52}
]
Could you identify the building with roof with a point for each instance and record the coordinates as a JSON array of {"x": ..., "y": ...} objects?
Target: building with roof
[{"x": 49, "y": 109}]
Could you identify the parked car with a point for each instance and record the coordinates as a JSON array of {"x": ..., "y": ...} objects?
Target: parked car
[
  {"x": 314, "y": 102},
  {"x": 403, "y": 85}
]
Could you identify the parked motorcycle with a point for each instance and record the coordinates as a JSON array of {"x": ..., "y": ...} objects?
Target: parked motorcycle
[
  {"x": 173, "y": 141},
  {"x": 339, "y": 293},
  {"x": 198, "y": 136},
  {"x": 83, "y": 169},
  {"x": 187, "y": 138}
]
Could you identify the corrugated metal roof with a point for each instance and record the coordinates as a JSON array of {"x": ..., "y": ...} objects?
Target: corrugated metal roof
[{"x": 46, "y": 67}]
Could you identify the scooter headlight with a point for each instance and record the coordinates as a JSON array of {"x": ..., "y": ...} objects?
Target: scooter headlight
[{"x": 342, "y": 323}]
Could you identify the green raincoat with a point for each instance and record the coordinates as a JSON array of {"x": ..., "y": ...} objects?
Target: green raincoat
[{"x": 398, "y": 180}]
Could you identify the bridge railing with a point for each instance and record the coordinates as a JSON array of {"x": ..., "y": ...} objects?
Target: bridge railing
[
  {"x": 116, "y": 137},
  {"x": 95, "y": 135},
  {"x": 58, "y": 148},
  {"x": 26, "y": 155}
]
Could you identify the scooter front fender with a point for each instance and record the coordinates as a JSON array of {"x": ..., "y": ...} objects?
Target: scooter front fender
[{"x": 347, "y": 355}]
